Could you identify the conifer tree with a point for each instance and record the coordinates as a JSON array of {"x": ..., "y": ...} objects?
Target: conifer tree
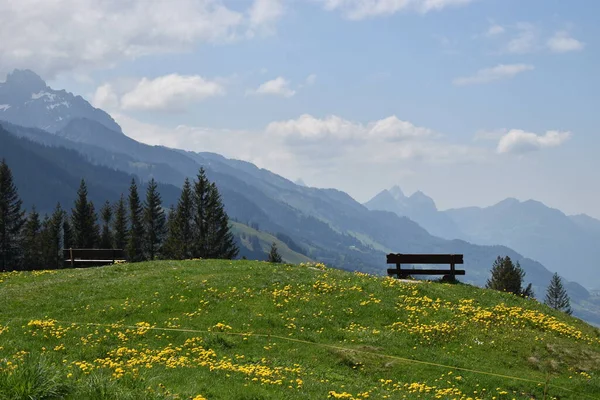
[
  {"x": 170, "y": 249},
  {"x": 52, "y": 238},
  {"x": 220, "y": 242},
  {"x": 201, "y": 204},
  {"x": 32, "y": 244},
  {"x": 135, "y": 251},
  {"x": 557, "y": 297},
  {"x": 45, "y": 244},
  {"x": 84, "y": 220},
  {"x": 183, "y": 227},
  {"x": 67, "y": 229},
  {"x": 94, "y": 224},
  {"x": 154, "y": 221},
  {"x": 106, "y": 238},
  {"x": 11, "y": 220},
  {"x": 121, "y": 233},
  {"x": 274, "y": 256},
  {"x": 508, "y": 277}
]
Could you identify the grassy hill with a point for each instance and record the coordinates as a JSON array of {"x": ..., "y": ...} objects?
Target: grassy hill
[
  {"x": 258, "y": 249},
  {"x": 251, "y": 330}
]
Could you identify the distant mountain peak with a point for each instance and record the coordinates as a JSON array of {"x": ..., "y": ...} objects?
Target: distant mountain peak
[
  {"x": 421, "y": 199},
  {"x": 25, "y": 79},
  {"x": 396, "y": 192},
  {"x": 26, "y": 100}
]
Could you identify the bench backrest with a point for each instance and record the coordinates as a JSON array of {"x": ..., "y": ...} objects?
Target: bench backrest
[
  {"x": 94, "y": 254},
  {"x": 425, "y": 258}
]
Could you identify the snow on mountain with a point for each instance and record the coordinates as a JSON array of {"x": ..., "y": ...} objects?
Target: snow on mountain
[{"x": 26, "y": 100}]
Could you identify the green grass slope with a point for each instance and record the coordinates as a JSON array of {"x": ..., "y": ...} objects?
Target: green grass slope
[
  {"x": 252, "y": 330},
  {"x": 265, "y": 240}
]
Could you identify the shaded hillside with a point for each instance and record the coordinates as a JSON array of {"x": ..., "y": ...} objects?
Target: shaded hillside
[{"x": 46, "y": 175}]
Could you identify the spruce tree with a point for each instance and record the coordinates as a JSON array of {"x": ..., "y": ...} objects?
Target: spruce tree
[
  {"x": 183, "y": 229},
  {"x": 135, "y": 251},
  {"x": 220, "y": 242},
  {"x": 84, "y": 220},
  {"x": 201, "y": 204},
  {"x": 557, "y": 297},
  {"x": 93, "y": 217},
  {"x": 508, "y": 277},
  {"x": 274, "y": 256},
  {"x": 154, "y": 221},
  {"x": 52, "y": 238},
  {"x": 121, "y": 233},
  {"x": 11, "y": 220},
  {"x": 45, "y": 244},
  {"x": 170, "y": 249},
  {"x": 67, "y": 229},
  {"x": 106, "y": 238},
  {"x": 32, "y": 243}
]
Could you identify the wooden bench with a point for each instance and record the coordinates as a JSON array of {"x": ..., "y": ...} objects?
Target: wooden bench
[
  {"x": 92, "y": 257},
  {"x": 400, "y": 259}
]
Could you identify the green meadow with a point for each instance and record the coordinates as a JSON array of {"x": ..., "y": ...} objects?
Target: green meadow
[{"x": 248, "y": 330}]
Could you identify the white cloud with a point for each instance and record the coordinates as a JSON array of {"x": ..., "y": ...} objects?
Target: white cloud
[
  {"x": 562, "y": 42},
  {"x": 526, "y": 40},
  {"x": 264, "y": 14},
  {"x": 311, "y": 79},
  {"x": 311, "y": 146},
  {"x": 278, "y": 87},
  {"x": 309, "y": 128},
  {"x": 495, "y": 30},
  {"x": 361, "y": 9},
  {"x": 66, "y": 35},
  {"x": 105, "y": 97},
  {"x": 487, "y": 75},
  {"x": 169, "y": 93},
  {"x": 518, "y": 141}
]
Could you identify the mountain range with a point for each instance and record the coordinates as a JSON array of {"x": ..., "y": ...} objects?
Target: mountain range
[
  {"x": 79, "y": 141},
  {"x": 569, "y": 245}
]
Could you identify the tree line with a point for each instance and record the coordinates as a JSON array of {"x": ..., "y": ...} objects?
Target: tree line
[{"x": 197, "y": 227}]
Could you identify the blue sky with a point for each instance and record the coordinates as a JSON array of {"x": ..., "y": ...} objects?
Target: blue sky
[{"x": 471, "y": 101}]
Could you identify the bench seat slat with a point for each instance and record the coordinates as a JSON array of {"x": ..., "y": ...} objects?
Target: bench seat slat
[
  {"x": 424, "y": 258},
  {"x": 393, "y": 271}
]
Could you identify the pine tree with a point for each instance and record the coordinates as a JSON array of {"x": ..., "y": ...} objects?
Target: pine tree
[
  {"x": 32, "y": 244},
  {"x": 201, "y": 193},
  {"x": 121, "y": 233},
  {"x": 508, "y": 277},
  {"x": 220, "y": 241},
  {"x": 274, "y": 256},
  {"x": 170, "y": 249},
  {"x": 106, "y": 238},
  {"x": 135, "y": 251},
  {"x": 557, "y": 297},
  {"x": 93, "y": 218},
  {"x": 52, "y": 238},
  {"x": 67, "y": 231},
  {"x": 12, "y": 219},
  {"x": 154, "y": 220},
  {"x": 84, "y": 220},
  {"x": 183, "y": 227}
]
